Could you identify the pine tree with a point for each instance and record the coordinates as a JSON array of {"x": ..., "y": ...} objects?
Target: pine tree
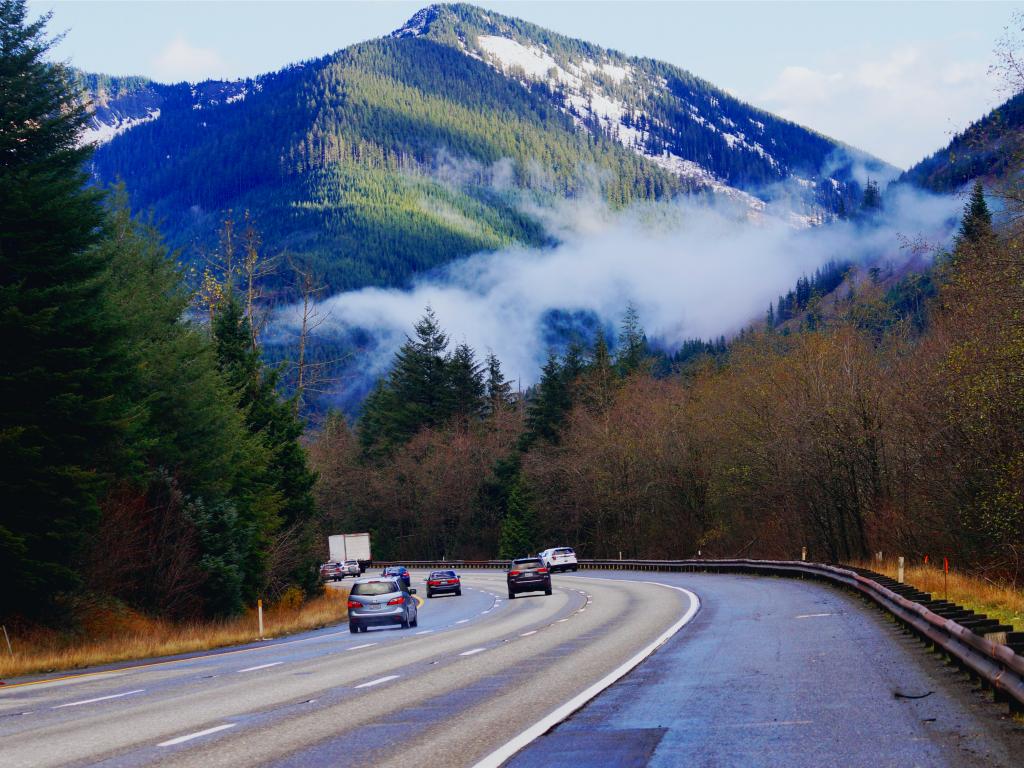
[
  {"x": 871, "y": 203},
  {"x": 519, "y": 527},
  {"x": 498, "y": 390},
  {"x": 548, "y": 407},
  {"x": 60, "y": 363},
  {"x": 284, "y": 489},
  {"x": 632, "y": 342},
  {"x": 976, "y": 226},
  {"x": 466, "y": 380},
  {"x": 600, "y": 380}
]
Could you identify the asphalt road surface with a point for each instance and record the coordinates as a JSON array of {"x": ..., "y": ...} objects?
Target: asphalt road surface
[{"x": 768, "y": 672}]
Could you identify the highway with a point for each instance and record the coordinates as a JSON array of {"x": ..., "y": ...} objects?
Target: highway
[{"x": 766, "y": 672}]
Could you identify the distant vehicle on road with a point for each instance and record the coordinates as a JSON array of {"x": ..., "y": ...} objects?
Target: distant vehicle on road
[
  {"x": 440, "y": 582},
  {"x": 351, "y": 568},
  {"x": 560, "y": 559},
  {"x": 528, "y": 574},
  {"x": 379, "y": 601},
  {"x": 350, "y": 546},
  {"x": 398, "y": 572},
  {"x": 331, "y": 571}
]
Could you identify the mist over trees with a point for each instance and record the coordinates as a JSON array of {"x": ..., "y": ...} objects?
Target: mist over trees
[{"x": 891, "y": 422}]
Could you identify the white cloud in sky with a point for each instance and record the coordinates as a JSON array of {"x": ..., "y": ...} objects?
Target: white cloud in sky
[
  {"x": 889, "y": 102},
  {"x": 180, "y": 60}
]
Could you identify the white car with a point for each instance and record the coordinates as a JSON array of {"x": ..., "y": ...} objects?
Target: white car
[
  {"x": 560, "y": 559},
  {"x": 351, "y": 568}
]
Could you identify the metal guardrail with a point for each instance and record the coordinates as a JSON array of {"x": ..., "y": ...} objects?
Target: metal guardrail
[{"x": 996, "y": 664}]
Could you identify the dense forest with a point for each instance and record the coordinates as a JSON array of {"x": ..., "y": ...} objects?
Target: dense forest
[
  {"x": 862, "y": 429},
  {"x": 145, "y": 458}
]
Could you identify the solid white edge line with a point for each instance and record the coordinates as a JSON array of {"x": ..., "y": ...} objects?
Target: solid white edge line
[
  {"x": 378, "y": 681},
  {"x": 472, "y": 651},
  {"x": 542, "y": 726},
  {"x": 357, "y": 647},
  {"x": 463, "y": 621},
  {"x": 98, "y": 698},
  {"x": 196, "y": 735},
  {"x": 261, "y": 666}
]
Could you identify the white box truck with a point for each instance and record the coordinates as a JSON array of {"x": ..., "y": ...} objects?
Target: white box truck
[{"x": 351, "y": 546}]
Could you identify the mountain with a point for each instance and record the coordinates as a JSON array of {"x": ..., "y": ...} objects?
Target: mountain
[
  {"x": 985, "y": 149},
  {"x": 395, "y": 156}
]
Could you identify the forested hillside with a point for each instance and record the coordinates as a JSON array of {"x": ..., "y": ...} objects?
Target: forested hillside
[
  {"x": 394, "y": 156},
  {"x": 147, "y": 462},
  {"x": 990, "y": 147},
  {"x": 893, "y": 423}
]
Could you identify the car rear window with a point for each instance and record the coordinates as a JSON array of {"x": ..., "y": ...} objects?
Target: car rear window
[
  {"x": 443, "y": 575},
  {"x": 564, "y": 551},
  {"x": 371, "y": 588},
  {"x": 527, "y": 564}
]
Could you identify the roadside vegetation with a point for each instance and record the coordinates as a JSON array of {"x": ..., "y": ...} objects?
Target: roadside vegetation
[
  {"x": 109, "y": 633},
  {"x": 995, "y": 598}
]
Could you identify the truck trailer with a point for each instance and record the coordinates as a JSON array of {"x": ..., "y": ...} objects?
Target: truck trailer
[{"x": 351, "y": 546}]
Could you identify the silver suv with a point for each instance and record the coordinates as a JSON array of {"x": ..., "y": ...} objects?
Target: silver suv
[{"x": 377, "y": 601}]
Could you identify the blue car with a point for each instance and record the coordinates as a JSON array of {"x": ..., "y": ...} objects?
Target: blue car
[{"x": 398, "y": 572}]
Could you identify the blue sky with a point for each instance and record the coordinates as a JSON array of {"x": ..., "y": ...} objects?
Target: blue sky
[{"x": 896, "y": 79}]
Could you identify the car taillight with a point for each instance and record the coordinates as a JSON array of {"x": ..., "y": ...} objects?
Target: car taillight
[
  {"x": 396, "y": 601},
  {"x": 513, "y": 573},
  {"x": 433, "y": 583},
  {"x": 542, "y": 570},
  {"x": 354, "y": 604}
]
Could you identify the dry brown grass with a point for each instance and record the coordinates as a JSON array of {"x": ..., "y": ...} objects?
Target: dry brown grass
[
  {"x": 110, "y": 635},
  {"x": 997, "y": 600}
]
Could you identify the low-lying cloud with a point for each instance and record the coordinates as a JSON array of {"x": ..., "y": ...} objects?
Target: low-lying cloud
[{"x": 691, "y": 270}]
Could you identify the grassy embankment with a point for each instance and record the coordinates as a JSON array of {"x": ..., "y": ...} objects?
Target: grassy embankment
[
  {"x": 107, "y": 635},
  {"x": 995, "y": 599}
]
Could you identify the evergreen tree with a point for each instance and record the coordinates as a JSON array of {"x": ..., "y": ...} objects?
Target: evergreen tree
[
  {"x": 466, "y": 380},
  {"x": 283, "y": 492},
  {"x": 60, "y": 364},
  {"x": 498, "y": 390},
  {"x": 519, "y": 526},
  {"x": 600, "y": 379},
  {"x": 632, "y": 342},
  {"x": 871, "y": 203},
  {"x": 976, "y": 225},
  {"x": 548, "y": 407}
]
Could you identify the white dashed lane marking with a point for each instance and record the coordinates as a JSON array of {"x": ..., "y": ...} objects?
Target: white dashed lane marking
[
  {"x": 98, "y": 698},
  {"x": 196, "y": 735},
  {"x": 378, "y": 681}
]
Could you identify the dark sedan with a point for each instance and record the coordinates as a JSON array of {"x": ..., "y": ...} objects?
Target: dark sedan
[
  {"x": 398, "y": 572},
  {"x": 441, "y": 582},
  {"x": 528, "y": 574}
]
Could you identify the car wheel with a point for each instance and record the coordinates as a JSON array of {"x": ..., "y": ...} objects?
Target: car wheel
[
  {"x": 429, "y": 595},
  {"x": 547, "y": 590},
  {"x": 415, "y": 622},
  {"x": 353, "y": 628},
  {"x": 405, "y": 621},
  {"x": 511, "y": 595},
  {"x": 458, "y": 592}
]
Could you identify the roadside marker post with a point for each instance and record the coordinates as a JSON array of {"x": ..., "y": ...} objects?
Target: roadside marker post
[
  {"x": 10, "y": 651},
  {"x": 803, "y": 553},
  {"x": 945, "y": 577},
  {"x": 900, "y": 575},
  {"x": 259, "y": 610}
]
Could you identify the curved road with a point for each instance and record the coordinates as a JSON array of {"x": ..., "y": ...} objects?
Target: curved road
[{"x": 768, "y": 672}]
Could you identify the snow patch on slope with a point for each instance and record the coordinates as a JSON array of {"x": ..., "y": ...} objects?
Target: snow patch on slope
[
  {"x": 98, "y": 132},
  {"x": 587, "y": 102}
]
